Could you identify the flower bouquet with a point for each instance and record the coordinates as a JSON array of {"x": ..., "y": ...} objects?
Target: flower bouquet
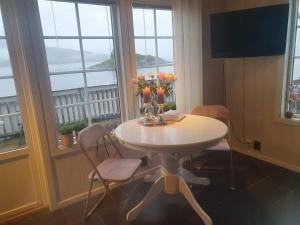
[{"x": 153, "y": 91}]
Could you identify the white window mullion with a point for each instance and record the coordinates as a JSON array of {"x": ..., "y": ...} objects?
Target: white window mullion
[{"x": 86, "y": 93}]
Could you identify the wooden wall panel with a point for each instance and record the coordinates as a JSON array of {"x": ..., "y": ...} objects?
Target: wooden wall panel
[
  {"x": 233, "y": 70},
  {"x": 16, "y": 185},
  {"x": 213, "y": 74}
]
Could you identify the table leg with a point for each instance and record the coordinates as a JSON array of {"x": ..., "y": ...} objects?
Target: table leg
[
  {"x": 152, "y": 177},
  {"x": 189, "y": 177},
  {"x": 172, "y": 180},
  {"x": 186, "y": 192},
  {"x": 155, "y": 189}
]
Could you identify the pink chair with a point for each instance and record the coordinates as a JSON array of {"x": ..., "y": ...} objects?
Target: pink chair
[
  {"x": 220, "y": 113},
  {"x": 111, "y": 170}
]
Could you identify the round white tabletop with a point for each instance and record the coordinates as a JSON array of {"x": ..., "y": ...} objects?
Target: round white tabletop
[{"x": 190, "y": 134}]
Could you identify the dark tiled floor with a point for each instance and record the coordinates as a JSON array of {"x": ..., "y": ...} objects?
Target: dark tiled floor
[{"x": 264, "y": 195}]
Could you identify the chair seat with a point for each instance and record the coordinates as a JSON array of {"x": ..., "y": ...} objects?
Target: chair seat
[
  {"x": 222, "y": 146},
  {"x": 117, "y": 169}
]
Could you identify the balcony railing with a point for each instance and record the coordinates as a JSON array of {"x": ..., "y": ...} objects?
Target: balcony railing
[{"x": 71, "y": 105}]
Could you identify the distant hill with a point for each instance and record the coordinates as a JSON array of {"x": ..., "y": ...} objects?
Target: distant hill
[
  {"x": 141, "y": 60},
  {"x": 63, "y": 56},
  {"x": 57, "y": 56}
]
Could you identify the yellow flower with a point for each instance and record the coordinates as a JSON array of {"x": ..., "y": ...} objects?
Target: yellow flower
[{"x": 152, "y": 75}]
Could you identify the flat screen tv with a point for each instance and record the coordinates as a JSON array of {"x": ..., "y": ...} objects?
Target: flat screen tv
[{"x": 249, "y": 33}]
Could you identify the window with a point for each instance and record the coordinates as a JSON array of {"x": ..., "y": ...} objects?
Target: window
[
  {"x": 153, "y": 36},
  {"x": 11, "y": 128},
  {"x": 293, "y": 81},
  {"x": 79, "y": 43}
]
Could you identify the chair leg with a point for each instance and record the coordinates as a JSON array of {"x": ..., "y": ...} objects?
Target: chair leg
[
  {"x": 231, "y": 171},
  {"x": 88, "y": 199},
  {"x": 129, "y": 195},
  {"x": 87, "y": 213}
]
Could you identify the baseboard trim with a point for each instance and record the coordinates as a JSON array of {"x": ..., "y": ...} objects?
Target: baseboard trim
[
  {"x": 99, "y": 190},
  {"x": 19, "y": 211},
  {"x": 268, "y": 159}
]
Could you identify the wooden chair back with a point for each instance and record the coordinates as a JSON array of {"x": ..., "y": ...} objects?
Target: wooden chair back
[{"x": 218, "y": 112}]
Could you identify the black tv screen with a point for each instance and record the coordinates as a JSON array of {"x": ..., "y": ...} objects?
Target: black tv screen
[{"x": 248, "y": 33}]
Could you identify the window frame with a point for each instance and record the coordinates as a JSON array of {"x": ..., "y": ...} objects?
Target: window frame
[
  {"x": 294, "y": 15},
  {"x": 23, "y": 149},
  {"x": 155, "y": 37},
  {"x": 49, "y": 104}
]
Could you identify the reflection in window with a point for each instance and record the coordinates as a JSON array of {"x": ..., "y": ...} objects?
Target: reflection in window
[
  {"x": 80, "y": 51},
  {"x": 11, "y": 128}
]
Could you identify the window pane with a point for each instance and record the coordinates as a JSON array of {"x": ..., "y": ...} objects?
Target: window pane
[
  {"x": 98, "y": 54},
  {"x": 95, "y": 20},
  {"x": 5, "y": 66},
  {"x": 104, "y": 98},
  {"x": 166, "y": 69},
  {"x": 296, "y": 70},
  {"x": 143, "y": 22},
  {"x": 66, "y": 81},
  {"x": 11, "y": 129},
  {"x": 1, "y": 25},
  {"x": 63, "y": 55},
  {"x": 79, "y": 95},
  {"x": 7, "y": 88},
  {"x": 58, "y": 18},
  {"x": 165, "y": 51},
  {"x": 145, "y": 52},
  {"x": 146, "y": 71},
  {"x": 101, "y": 78},
  {"x": 164, "y": 23},
  {"x": 68, "y": 94},
  {"x": 297, "y": 46}
]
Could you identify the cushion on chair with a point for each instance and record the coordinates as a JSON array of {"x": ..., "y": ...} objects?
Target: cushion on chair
[
  {"x": 117, "y": 169},
  {"x": 222, "y": 146}
]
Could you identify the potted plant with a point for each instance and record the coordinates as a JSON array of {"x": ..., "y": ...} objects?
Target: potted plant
[
  {"x": 78, "y": 126},
  {"x": 66, "y": 132}
]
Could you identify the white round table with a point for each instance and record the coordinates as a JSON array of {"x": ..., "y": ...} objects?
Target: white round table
[{"x": 173, "y": 142}]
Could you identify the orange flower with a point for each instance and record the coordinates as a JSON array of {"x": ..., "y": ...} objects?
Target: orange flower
[
  {"x": 169, "y": 77},
  {"x": 152, "y": 75},
  {"x": 173, "y": 77},
  {"x": 141, "y": 77},
  {"x": 161, "y": 76}
]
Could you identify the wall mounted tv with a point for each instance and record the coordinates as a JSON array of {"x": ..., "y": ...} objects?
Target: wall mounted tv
[{"x": 249, "y": 33}]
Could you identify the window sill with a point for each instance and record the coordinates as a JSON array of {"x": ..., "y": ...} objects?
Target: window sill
[
  {"x": 293, "y": 121},
  {"x": 75, "y": 149},
  {"x": 13, "y": 154}
]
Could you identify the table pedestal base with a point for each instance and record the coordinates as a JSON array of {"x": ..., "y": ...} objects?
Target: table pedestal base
[{"x": 172, "y": 180}]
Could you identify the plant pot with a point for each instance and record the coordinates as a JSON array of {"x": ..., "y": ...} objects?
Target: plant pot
[
  {"x": 288, "y": 114},
  {"x": 67, "y": 140}
]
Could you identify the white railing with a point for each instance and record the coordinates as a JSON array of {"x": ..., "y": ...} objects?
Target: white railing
[{"x": 71, "y": 105}]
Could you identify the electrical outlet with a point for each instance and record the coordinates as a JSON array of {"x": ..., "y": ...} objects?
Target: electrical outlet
[
  {"x": 256, "y": 145},
  {"x": 249, "y": 143}
]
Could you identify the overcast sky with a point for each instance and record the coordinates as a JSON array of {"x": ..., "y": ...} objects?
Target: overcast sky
[{"x": 95, "y": 20}]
